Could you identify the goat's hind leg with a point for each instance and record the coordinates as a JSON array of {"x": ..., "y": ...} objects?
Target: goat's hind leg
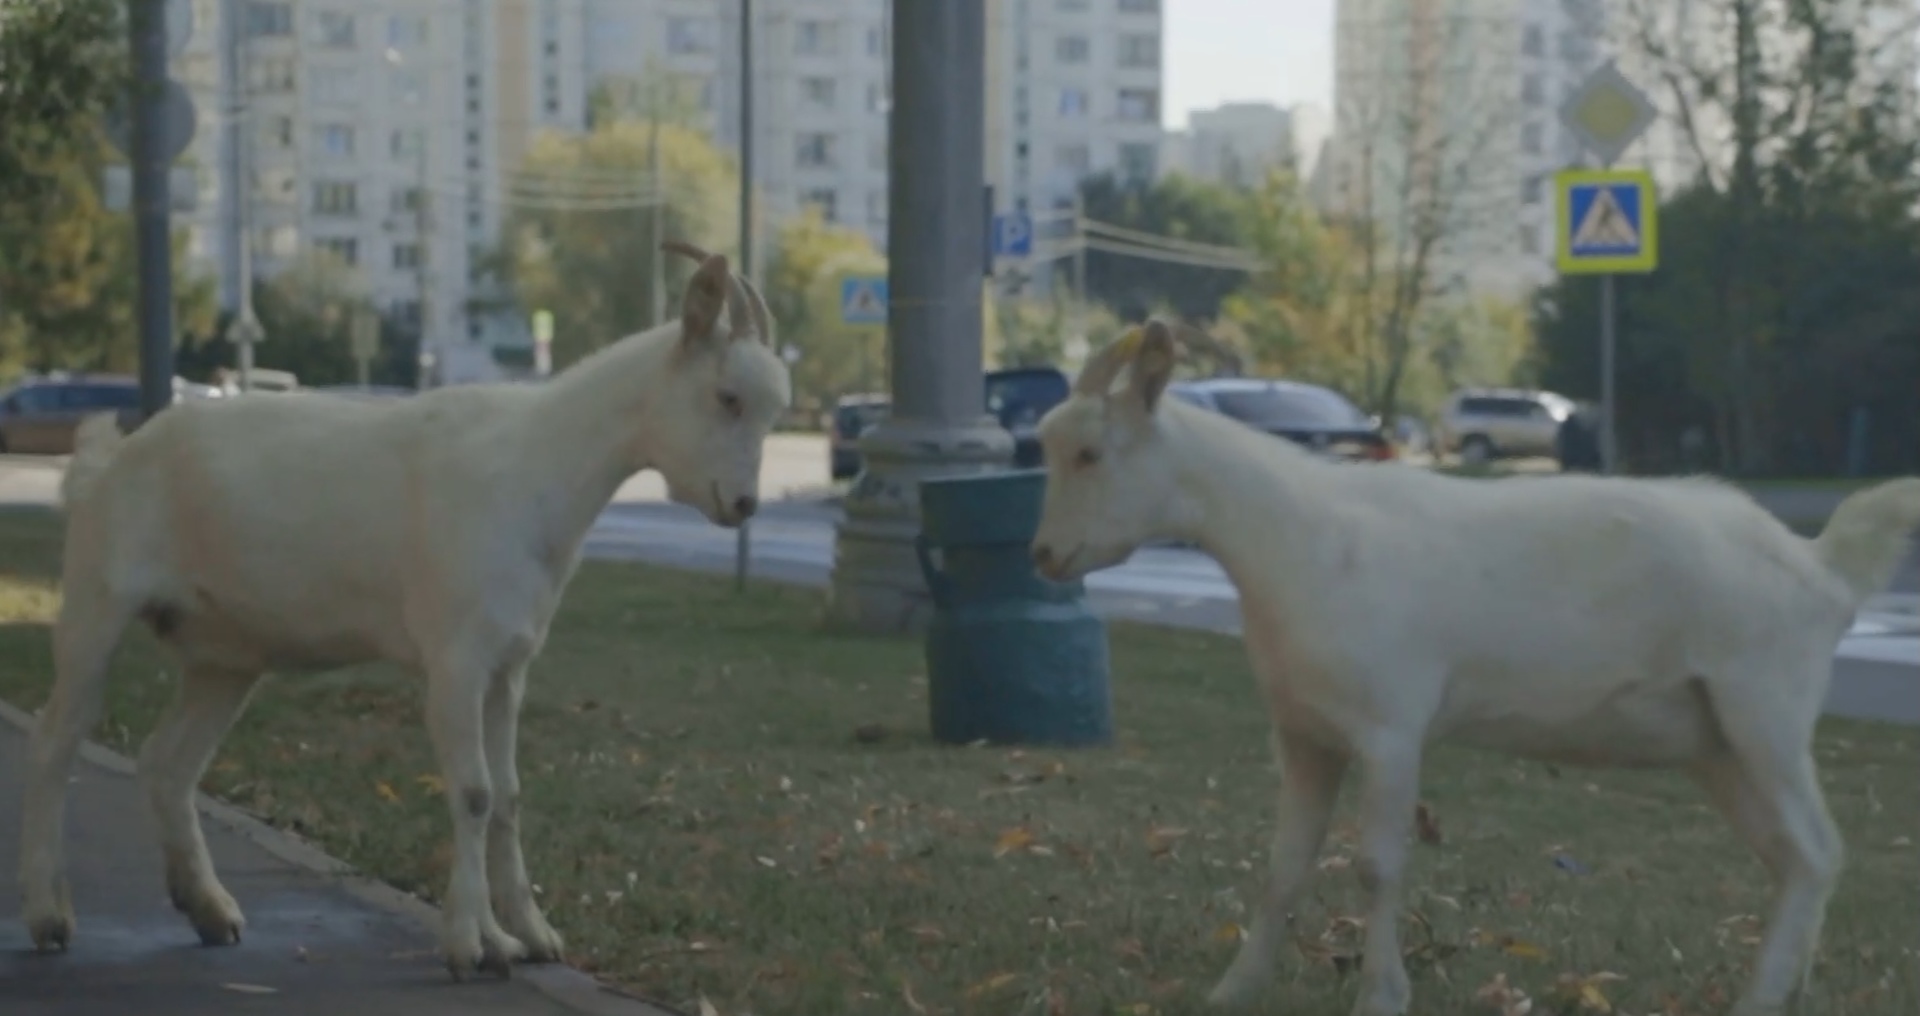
[
  {"x": 86, "y": 633},
  {"x": 512, "y": 892},
  {"x": 171, "y": 764},
  {"x": 1781, "y": 808}
]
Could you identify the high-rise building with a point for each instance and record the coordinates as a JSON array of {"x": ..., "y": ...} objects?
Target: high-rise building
[{"x": 1239, "y": 143}]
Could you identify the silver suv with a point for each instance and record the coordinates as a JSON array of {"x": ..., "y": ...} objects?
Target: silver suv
[{"x": 1483, "y": 424}]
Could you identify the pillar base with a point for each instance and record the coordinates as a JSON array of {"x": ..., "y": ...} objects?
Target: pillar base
[{"x": 877, "y": 587}]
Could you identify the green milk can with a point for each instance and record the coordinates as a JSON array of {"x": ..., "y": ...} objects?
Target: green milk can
[{"x": 1012, "y": 657}]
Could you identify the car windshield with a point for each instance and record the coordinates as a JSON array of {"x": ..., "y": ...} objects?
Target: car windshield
[
  {"x": 851, "y": 420},
  {"x": 1289, "y": 407}
]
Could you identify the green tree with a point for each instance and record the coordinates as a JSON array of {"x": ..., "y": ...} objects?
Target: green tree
[
  {"x": 306, "y": 312},
  {"x": 810, "y": 258},
  {"x": 578, "y": 244},
  {"x": 1176, "y": 207}
]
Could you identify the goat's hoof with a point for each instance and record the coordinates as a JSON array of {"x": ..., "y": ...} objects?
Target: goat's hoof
[
  {"x": 542, "y": 943},
  {"x": 51, "y": 932},
  {"x": 215, "y": 916},
  {"x": 489, "y": 951}
]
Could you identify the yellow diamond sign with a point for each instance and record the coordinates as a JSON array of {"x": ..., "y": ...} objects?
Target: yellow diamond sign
[{"x": 1607, "y": 113}]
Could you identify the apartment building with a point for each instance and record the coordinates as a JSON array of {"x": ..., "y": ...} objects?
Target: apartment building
[
  {"x": 388, "y": 131},
  {"x": 1239, "y": 143}
]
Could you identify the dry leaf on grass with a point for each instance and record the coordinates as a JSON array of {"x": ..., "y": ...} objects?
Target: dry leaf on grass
[
  {"x": 432, "y": 782},
  {"x": 1585, "y": 991},
  {"x": 1427, "y": 825},
  {"x": 1522, "y": 948},
  {"x": 1162, "y": 839},
  {"x": 386, "y": 792},
  {"x": 1017, "y": 838},
  {"x": 994, "y": 983},
  {"x": 250, "y": 989},
  {"x": 1506, "y": 999},
  {"x": 1229, "y": 932}
]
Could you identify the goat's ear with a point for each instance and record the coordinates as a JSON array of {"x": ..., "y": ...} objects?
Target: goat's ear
[
  {"x": 706, "y": 296},
  {"x": 1096, "y": 378},
  {"x": 1152, "y": 365}
]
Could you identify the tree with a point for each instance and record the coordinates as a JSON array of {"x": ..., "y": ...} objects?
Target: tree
[
  {"x": 1175, "y": 207},
  {"x": 578, "y": 244},
  {"x": 67, "y": 264},
  {"x": 810, "y": 258},
  {"x": 1784, "y": 303},
  {"x": 1429, "y": 110},
  {"x": 306, "y": 312}
]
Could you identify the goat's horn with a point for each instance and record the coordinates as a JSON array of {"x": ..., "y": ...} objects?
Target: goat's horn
[
  {"x": 739, "y": 314},
  {"x": 1101, "y": 368},
  {"x": 762, "y": 317}
]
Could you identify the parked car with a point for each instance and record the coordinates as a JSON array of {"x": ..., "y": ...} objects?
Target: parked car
[
  {"x": 1483, "y": 424},
  {"x": 1318, "y": 419},
  {"x": 1017, "y": 397},
  {"x": 39, "y": 415},
  {"x": 851, "y": 417}
]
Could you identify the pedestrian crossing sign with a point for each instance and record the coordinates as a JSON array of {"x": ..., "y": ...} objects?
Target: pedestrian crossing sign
[
  {"x": 863, "y": 300},
  {"x": 1606, "y": 222}
]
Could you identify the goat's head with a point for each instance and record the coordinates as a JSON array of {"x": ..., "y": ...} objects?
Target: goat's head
[
  {"x": 1110, "y": 476},
  {"x": 723, "y": 389}
]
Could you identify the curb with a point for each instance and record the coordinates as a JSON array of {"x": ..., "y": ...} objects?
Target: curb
[{"x": 575, "y": 989}]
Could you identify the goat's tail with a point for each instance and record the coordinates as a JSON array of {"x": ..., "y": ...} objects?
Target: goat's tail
[
  {"x": 1867, "y": 536},
  {"x": 94, "y": 444}
]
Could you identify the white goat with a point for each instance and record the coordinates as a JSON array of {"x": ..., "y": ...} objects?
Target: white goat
[
  {"x": 307, "y": 533},
  {"x": 1606, "y": 622}
]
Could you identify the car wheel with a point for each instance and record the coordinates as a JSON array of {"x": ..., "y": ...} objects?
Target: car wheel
[{"x": 1476, "y": 450}]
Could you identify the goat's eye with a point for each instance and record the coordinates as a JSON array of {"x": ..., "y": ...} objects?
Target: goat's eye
[
  {"x": 1087, "y": 457},
  {"x": 730, "y": 402}
]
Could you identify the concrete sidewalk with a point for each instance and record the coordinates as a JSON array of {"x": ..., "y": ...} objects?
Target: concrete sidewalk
[{"x": 319, "y": 942}]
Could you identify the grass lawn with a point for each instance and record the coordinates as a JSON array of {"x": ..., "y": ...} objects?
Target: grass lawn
[{"x": 703, "y": 819}]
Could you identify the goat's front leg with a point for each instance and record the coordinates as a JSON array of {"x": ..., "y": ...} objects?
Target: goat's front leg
[
  {"x": 471, "y": 938},
  {"x": 1309, "y": 786},
  {"x": 506, "y": 868},
  {"x": 171, "y": 763},
  {"x": 1389, "y": 795}
]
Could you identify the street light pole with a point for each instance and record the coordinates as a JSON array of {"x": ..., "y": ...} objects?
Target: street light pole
[
  {"x": 743, "y": 539},
  {"x": 152, "y": 203},
  {"x": 938, "y": 425}
]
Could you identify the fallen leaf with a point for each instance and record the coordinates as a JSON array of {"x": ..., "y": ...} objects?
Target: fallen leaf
[
  {"x": 767, "y": 862},
  {"x": 250, "y": 989},
  {"x": 1427, "y": 825},
  {"x": 386, "y": 792},
  {"x": 1336, "y": 862},
  {"x": 432, "y": 782},
  {"x": 1229, "y": 932},
  {"x": 1522, "y": 948},
  {"x": 1161, "y": 839},
  {"x": 1011, "y": 840},
  {"x": 994, "y": 983},
  {"x": 1507, "y": 999}
]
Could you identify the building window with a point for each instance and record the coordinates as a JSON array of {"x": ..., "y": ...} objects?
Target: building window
[
  {"x": 345, "y": 248},
  {"x": 335, "y": 140},
  {"x": 277, "y": 131},
  {"x": 814, "y": 151},
  {"x": 1533, "y": 90},
  {"x": 1533, "y": 189},
  {"x": 265, "y": 20},
  {"x": 1071, "y": 49},
  {"x": 406, "y": 255},
  {"x": 1533, "y": 41},
  {"x": 815, "y": 38},
  {"x": 1140, "y": 105},
  {"x": 1076, "y": 159},
  {"x": 827, "y": 200},
  {"x": 1073, "y": 103},
  {"x": 406, "y": 313},
  {"x": 335, "y": 30},
  {"x": 335, "y": 198},
  {"x": 407, "y": 143},
  {"x": 406, "y": 32},
  {"x": 409, "y": 84},
  {"x": 271, "y": 76},
  {"x": 819, "y": 92},
  {"x": 689, "y": 35},
  {"x": 1139, "y": 51},
  {"x": 1139, "y": 6},
  {"x": 1530, "y": 138},
  {"x": 1138, "y": 160},
  {"x": 405, "y": 201}
]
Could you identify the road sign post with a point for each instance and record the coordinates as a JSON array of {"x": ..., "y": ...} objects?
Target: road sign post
[
  {"x": 365, "y": 343},
  {"x": 542, "y": 342},
  {"x": 1606, "y": 222}
]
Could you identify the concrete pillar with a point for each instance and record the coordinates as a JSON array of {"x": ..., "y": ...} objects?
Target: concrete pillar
[{"x": 936, "y": 242}]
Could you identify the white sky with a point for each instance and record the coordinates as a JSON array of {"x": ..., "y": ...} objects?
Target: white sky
[{"x": 1219, "y": 51}]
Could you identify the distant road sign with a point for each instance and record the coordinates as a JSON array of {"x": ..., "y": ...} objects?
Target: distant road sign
[
  {"x": 1607, "y": 113},
  {"x": 1013, "y": 235},
  {"x": 863, "y": 300},
  {"x": 177, "y": 122},
  {"x": 1606, "y": 221}
]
